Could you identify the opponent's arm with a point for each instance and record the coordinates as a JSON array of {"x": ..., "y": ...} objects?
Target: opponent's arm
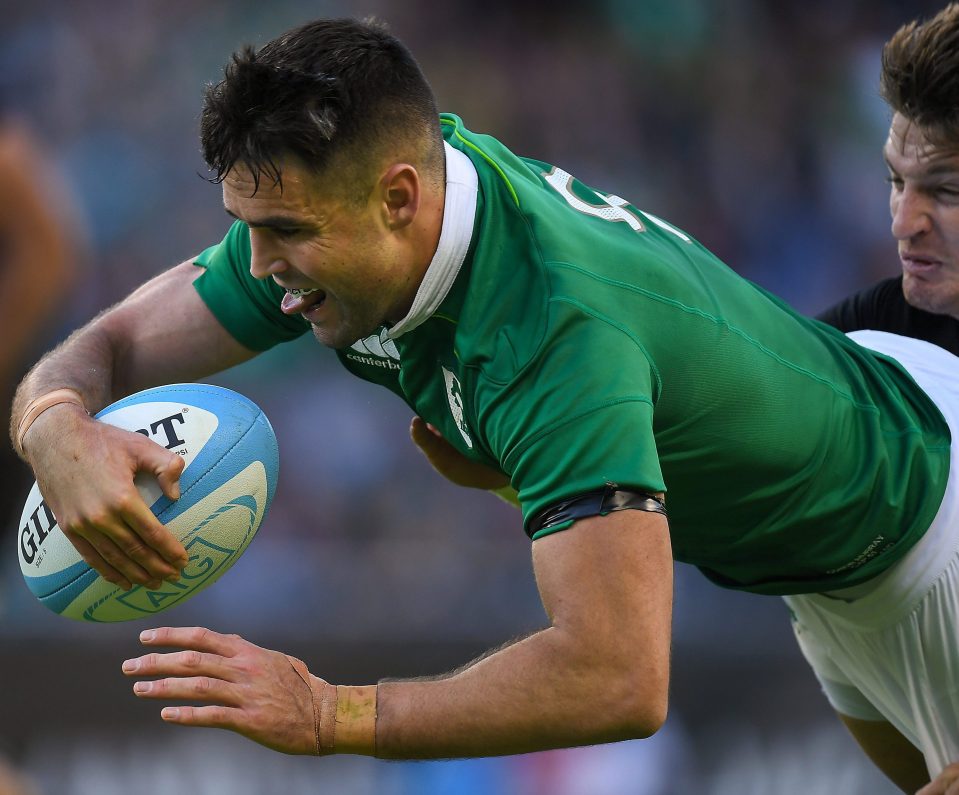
[
  {"x": 598, "y": 673},
  {"x": 946, "y": 783},
  {"x": 456, "y": 467},
  {"x": 161, "y": 333},
  {"x": 891, "y": 752}
]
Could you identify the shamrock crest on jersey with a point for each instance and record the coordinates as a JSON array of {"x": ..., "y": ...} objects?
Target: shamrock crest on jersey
[{"x": 454, "y": 394}]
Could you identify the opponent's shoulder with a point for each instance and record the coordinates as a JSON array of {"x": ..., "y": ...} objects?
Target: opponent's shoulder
[
  {"x": 885, "y": 301},
  {"x": 879, "y": 306}
]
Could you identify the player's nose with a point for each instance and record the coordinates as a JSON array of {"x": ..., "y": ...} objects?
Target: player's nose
[
  {"x": 265, "y": 261},
  {"x": 910, "y": 214}
]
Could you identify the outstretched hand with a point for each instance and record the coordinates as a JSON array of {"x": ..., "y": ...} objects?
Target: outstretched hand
[
  {"x": 451, "y": 463},
  {"x": 244, "y": 688}
]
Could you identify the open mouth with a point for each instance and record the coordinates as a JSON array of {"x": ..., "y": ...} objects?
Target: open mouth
[
  {"x": 302, "y": 300},
  {"x": 918, "y": 266}
]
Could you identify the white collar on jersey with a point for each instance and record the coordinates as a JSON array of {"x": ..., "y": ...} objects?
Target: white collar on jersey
[{"x": 459, "y": 212}]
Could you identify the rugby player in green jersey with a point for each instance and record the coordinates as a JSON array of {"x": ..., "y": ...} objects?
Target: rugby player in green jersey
[{"x": 587, "y": 353}]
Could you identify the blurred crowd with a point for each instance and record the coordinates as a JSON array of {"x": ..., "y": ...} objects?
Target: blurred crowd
[{"x": 754, "y": 126}]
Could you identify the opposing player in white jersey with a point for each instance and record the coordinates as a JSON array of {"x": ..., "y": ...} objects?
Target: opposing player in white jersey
[{"x": 920, "y": 82}]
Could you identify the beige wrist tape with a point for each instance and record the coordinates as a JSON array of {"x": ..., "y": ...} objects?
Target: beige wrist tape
[
  {"x": 355, "y": 729},
  {"x": 41, "y": 404},
  {"x": 344, "y": 717}
]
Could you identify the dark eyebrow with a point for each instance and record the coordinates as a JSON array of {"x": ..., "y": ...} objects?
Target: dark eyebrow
[
  {"x": 946, "y": 165},
  {"x": 271, "y": 222},
  {"x": 942, "y": 168}
]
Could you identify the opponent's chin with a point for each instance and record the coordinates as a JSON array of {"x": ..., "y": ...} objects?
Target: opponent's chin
[{"x": 931, "y": 296}]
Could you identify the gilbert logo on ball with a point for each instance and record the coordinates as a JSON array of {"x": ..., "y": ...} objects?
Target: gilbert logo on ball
[{"x": 228, "y": 481}]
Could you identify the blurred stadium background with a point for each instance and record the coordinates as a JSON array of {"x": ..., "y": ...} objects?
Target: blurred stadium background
[{"x": 755, "y": 126}]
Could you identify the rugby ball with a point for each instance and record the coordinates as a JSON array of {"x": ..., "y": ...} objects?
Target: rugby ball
[{"x": 228, "y": 482}]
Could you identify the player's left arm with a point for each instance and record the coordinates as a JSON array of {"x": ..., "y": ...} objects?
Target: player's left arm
[{"x": 598, "y": 673}]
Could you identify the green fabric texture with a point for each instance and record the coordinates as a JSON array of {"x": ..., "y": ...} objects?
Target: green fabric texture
[{"x": 587, "y": 342}]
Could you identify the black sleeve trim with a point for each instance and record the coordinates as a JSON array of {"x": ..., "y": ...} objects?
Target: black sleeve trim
[{"x": 594, "y": 503}]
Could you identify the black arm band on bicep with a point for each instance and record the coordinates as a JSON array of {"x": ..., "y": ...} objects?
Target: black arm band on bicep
[{"x": 594, "y": 503}]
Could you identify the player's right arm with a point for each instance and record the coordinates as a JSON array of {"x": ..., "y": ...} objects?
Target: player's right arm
[{"x": 162, "y": 333}]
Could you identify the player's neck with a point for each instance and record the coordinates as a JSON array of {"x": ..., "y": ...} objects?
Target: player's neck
[{"x": 427, "y": 230}]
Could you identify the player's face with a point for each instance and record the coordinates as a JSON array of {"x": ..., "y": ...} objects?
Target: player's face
[
  {"x": 339, "y": 261},
  {"x": 924, "y": 202}
]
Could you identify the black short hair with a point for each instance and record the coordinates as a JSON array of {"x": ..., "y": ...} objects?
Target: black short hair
[
  {"x": 328, "y": 87},
  {"x": 920, "y": 75}
]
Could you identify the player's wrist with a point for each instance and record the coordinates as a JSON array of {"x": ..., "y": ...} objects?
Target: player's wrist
[
  {"x": 355, "y": 720},
  {"x": 40, "y": 406},
  {"x": 344, "y": 716}
]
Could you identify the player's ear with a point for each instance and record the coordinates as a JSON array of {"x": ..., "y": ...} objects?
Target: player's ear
[{"x": 399, "y": 193}]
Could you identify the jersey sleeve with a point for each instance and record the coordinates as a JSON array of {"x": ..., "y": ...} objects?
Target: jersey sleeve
[
  {"x": 248, "y": 308},
  {"x": 569, "y": 424}
]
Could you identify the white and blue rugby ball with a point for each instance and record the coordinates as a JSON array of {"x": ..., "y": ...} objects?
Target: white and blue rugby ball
[{"x": 226, "y": 487}]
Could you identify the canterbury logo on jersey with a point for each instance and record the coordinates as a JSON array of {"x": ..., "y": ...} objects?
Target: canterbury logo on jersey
[
  {"x": 454, "y": 394},
  {"x": 377, "y": 350}
]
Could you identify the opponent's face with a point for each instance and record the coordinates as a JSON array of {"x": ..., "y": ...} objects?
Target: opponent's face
[
  {"x": 924, "y": 202},
  {"x": 343, "y": 264}
]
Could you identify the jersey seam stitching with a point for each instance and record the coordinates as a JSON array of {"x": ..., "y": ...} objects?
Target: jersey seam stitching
[
  {"x": 658, "y": 386},
  {"x": 486, "y": 157},
  {"x": 722, "y": 323}
]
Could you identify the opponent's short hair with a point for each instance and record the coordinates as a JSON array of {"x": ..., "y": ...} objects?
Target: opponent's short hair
[
  {"x": 920, "y": 75},
  {"x": 329, "y": 87}
]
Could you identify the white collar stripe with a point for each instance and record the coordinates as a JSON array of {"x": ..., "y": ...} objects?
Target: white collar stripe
[{"x": 459, "y": 211}]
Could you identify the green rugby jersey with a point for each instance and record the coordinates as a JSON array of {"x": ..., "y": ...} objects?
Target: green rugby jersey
[{"x": 585, "y": 342}]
